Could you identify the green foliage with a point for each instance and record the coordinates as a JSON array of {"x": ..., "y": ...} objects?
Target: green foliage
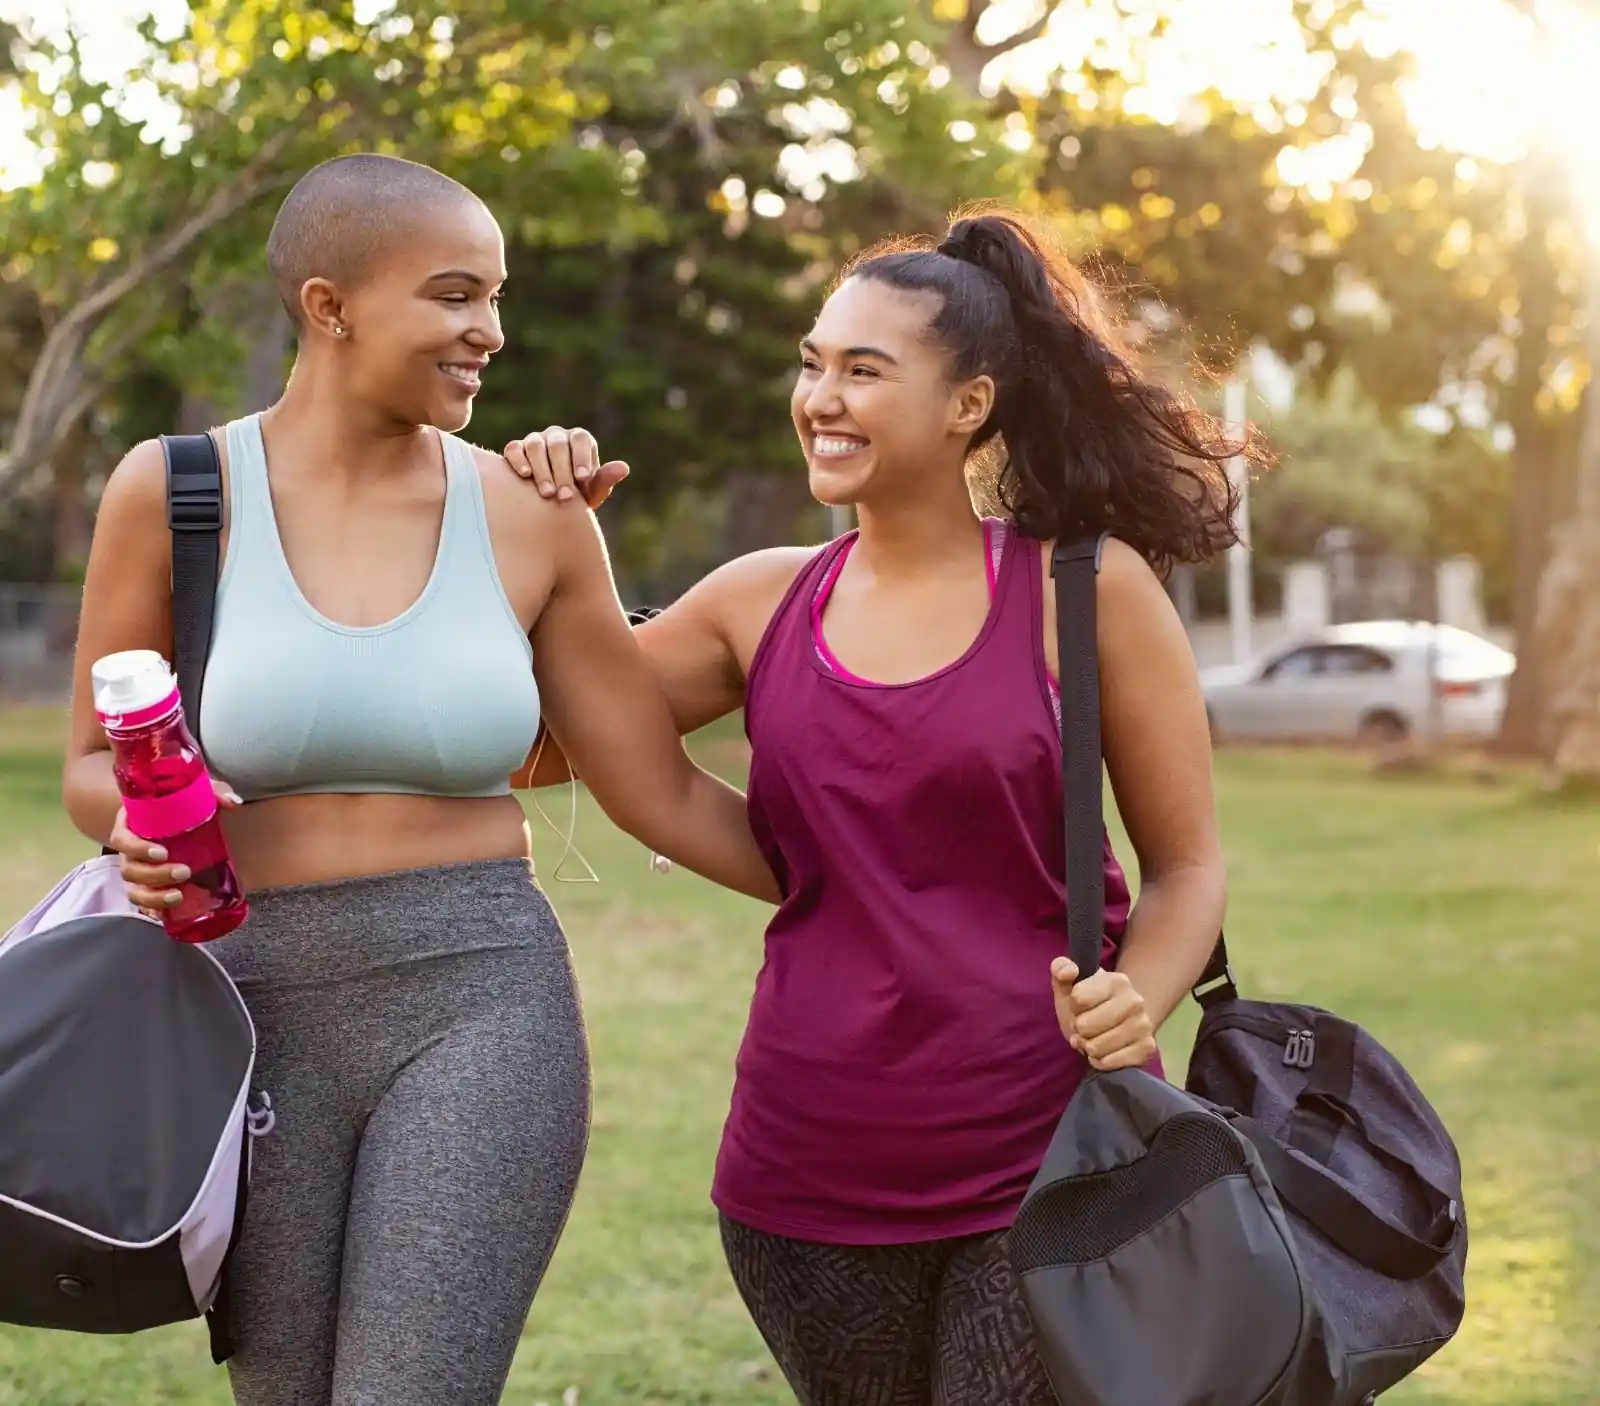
[
  {"x": 159, "y": 189},
  {"x": 673, "y": 178},
  {"x": 677, "y": 348},
  {"x": 1403, "y": 489},
  {"x": 679, "y": 179},
  {"x": 1417, "y": 268}
]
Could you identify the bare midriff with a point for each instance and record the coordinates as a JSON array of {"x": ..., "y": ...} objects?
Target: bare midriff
[{"x": 309, "y": 839}]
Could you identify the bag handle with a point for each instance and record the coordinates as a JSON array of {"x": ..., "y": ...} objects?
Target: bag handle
[
  {"x": 1362, "y": 1232},
  {"x": 194, "y": 516},
  {"x": 1074, "y": 567}
]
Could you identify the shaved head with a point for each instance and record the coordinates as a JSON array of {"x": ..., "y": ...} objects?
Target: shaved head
[{"x": 344, "y": 216}]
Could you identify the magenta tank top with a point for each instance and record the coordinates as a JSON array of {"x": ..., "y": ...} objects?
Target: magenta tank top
[{"x": 903, "y": 1070}]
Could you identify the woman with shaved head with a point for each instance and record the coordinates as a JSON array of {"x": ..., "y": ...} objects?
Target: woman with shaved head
[{"x": 395, "y": 612}]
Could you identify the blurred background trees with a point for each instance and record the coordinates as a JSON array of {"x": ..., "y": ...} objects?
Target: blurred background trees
[{"x": 679, "y": 179}]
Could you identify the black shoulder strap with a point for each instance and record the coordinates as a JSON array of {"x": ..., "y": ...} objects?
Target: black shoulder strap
[
  {"x": 1074, "y": 566},
  {"x": 194, "y": 513}
]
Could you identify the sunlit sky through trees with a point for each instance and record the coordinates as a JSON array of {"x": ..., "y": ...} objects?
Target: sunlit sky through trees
[{"x": 1490, "y": 78}]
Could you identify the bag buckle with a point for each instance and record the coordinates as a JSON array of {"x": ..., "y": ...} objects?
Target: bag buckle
[
  {"x": 194, "y": 502},
  {"x": 1300, "y": 1049},
  {"x": 259, "y": 1116}
]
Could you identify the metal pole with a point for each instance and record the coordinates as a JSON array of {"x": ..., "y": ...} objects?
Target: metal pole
[
  {"x": 1431, "y": 661},
  {"x": 1241, "y": 605}
]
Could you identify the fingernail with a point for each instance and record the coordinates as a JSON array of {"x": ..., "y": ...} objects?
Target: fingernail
[
  {"x": 236, "y": 798},
  {"x": 157, "y": 854},
  {"x": 546, "y": 490},
  {"x": 172, "y": 899},
  {"x": 180, "y": 873},
  {"x": 564, "y": 494}
]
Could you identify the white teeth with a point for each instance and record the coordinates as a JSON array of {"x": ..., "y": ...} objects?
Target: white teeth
[
  {"x": 467, "y": 375},
  {"x": 826, "y": 444}
]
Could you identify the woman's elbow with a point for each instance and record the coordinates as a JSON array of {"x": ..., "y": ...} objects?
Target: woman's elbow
[
  {"x": 82, "y": 801},
  {"x": 1200, "y": 881}
]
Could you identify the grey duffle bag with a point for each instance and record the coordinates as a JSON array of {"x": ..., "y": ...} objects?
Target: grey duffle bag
[
  {"x": 125, "y": 1099},
  {"x": 126, "y": 1110},
  {"x": 1287, "y": 1230}
]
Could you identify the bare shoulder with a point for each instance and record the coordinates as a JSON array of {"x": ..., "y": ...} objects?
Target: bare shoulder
[
  {"x": 740, "y": 597},
  {"x": 534, "y": 539},
  {"x": 766, "y": 574},
  {"x": 138, "y": 485},
  {"x": 131, "y": 521},
  {"x": 512, "y": 500},
  {"x": 1126, "y": 580},
  {"x": 1133, "y": 609}
]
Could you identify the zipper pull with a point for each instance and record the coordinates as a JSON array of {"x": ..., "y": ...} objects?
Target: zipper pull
[{"x": 1300, "y": 1049}]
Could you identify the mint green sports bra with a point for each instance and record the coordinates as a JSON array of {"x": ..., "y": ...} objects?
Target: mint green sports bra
[{"x": 439, "y": 701}]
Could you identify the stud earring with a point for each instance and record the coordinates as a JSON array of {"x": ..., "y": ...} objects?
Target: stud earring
[{"x": 338, "y": 329}]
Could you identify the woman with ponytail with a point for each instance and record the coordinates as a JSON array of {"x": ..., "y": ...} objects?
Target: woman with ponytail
[{"x": 904, "y": 1068}]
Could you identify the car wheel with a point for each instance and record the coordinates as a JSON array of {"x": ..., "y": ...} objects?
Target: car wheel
[{"x": 1382, "y": 730}]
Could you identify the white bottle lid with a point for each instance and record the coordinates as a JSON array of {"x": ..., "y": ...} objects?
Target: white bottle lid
[{"x": 130, "y": 682}]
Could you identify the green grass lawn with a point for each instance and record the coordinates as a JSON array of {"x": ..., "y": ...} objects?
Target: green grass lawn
[{"x": 1452, "y": 918}]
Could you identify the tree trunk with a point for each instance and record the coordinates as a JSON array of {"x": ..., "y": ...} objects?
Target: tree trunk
[
  {"x": 73, "y": 523},
  {"x": 65, "y": 381},
  {"x": 1569, "y": 601},
  {"x": 769, "y": 510},
  {"x": 1535, "y": 476},
  {"x": 1536, "y": 461}
]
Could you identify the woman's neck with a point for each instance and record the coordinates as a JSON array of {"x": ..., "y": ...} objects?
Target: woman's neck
[
  {"x": 318, "y": 425},
  {"x": 913, "y": 537}
]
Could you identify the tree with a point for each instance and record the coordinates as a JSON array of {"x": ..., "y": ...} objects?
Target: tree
[
  {"x": 765, "y": 145},
  {"x": 1404, "y": 490},
  {"x": 1434, "y": 277},
  {"x": 642, "y": 139},
  {"x": 1569, "y": 604},
  {"x": 154, "y": 191}
]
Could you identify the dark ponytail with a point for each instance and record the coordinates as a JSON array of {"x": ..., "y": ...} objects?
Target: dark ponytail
[{"x": 1090, "y": 443}]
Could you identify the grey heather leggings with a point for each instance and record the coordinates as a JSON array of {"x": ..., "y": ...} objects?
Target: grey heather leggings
[{"x": 422, "y": 1041}]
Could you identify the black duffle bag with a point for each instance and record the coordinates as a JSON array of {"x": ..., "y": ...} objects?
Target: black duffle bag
[{"x": 1287, "y": 1230}]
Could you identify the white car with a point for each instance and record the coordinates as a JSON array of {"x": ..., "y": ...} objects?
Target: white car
[{"x": 1365, "y": 683}]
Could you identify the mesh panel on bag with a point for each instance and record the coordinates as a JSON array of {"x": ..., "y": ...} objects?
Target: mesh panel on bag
[{"x": 1088, "y": 1217}]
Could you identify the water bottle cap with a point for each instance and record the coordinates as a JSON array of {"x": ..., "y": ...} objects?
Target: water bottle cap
[{"x": 130, "y": 682}]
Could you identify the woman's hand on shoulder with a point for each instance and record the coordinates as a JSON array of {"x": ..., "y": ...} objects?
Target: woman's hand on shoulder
[{"x": 564, "y": 464}]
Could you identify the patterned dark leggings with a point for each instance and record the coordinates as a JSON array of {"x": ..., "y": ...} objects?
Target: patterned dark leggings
[{"x": 934, "y": 1324}]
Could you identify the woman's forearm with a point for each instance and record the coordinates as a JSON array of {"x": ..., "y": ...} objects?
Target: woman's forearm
[
  {"x": 1171, "y": 933},
  {"x": 701, "y": 823},
  {"x": 546, "y": 765},
  {"x": 89, "y": 792}
]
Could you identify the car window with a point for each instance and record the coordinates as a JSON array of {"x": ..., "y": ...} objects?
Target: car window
[
  {"x": 1296, "y": 664},
  {"x": 1350, "y": 660}
]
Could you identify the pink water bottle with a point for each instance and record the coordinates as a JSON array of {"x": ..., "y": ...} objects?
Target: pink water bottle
[{"x": 166, "y": 790}]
